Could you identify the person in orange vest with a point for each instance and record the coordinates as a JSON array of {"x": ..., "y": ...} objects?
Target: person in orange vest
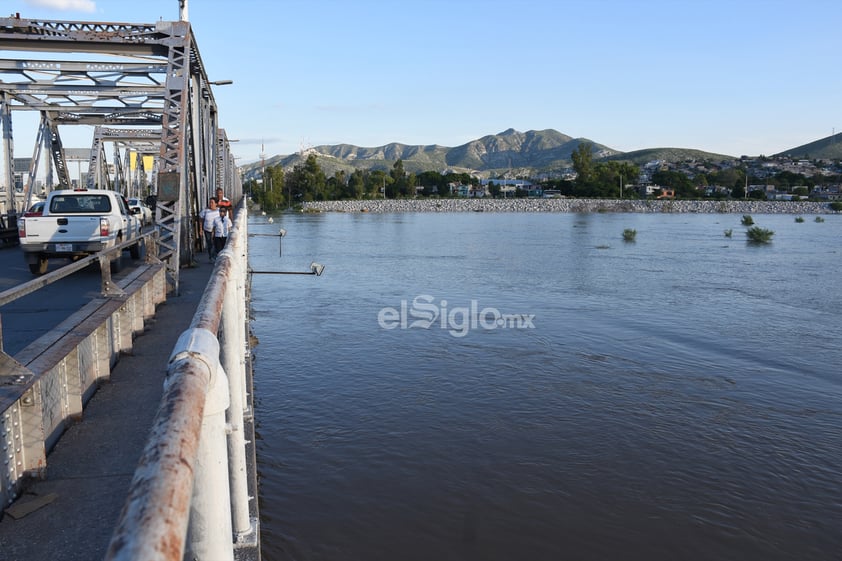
[{"x": 222, "y": 200}]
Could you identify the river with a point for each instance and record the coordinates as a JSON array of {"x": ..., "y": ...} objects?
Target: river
[{"x": 497, "y": 386}]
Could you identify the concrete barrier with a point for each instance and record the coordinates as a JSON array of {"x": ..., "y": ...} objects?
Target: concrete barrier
[{"x": 45, "y": 387}]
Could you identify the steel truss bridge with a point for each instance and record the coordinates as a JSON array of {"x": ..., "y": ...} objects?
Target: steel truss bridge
[{"x": 145, "y": 91}]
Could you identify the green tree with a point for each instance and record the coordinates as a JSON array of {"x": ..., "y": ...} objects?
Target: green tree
[
  {"x": 378, "y": 184},
  {"x": 270, "y": 194},
  {"x": 400, "y": 183},
  {"x": 675, "y": 180},
  {"x": 432, "y": 181},
  {"x": 336, "y": 187},
  {"x": 583, "y": 164},
  {"x": 307, "y": 181},
  {"x": 356, "y": 184}
]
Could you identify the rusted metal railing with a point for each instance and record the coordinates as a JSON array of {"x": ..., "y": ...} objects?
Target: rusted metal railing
[{"x": 189, "y": 498}]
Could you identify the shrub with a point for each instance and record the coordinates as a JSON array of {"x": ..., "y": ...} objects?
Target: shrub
[
  {"x": 836, "y": 205},
  {"x": 756, "y": 234},
  {"x": 747, "y": 220},
  {"x": 819, "y": 219},
  {"x": 629, "y": 234},
  {"x": 799, "y": 219}
]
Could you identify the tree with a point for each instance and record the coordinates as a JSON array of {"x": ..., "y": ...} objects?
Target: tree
[
  {"x": 377, "y": 183},
  {"x": 270, "y": 194},
  {"x": 583, "y": 164},
  {"x": 400, "y": 182},
  {"x": 307, "y": 181},
  {"x": 675, "y": 180},
  {"x": 336, "y": 187},
  {"x": 356, "y": 184}
]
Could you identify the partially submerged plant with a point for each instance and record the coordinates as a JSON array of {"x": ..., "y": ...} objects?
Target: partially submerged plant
[
  {"x": 747, "y": 220},
  {"x": 756, "y": 234},
  {"x": 629, "y": 234},
  {"x": 728, "y": 233},
  {"x": 819, "y": 219},
  {"x": 799, "y": 219}
]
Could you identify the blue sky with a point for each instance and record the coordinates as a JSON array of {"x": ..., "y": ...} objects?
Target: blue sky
[{"x": 733, "y": 77}]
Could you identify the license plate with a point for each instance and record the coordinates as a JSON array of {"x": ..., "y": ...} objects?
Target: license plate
[{"x": 62, "y": 247}]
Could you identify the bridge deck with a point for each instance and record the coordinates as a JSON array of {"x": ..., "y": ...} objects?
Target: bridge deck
[{"x": 89, "y": 470}]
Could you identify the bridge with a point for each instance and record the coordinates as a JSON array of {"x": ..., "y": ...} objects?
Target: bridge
[{"x": 156, "y": 131}]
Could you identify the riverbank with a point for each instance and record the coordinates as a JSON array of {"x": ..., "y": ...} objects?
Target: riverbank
[{"x": 569, "y": 205}]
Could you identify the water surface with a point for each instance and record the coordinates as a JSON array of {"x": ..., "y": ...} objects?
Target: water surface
[{"x": 677, "y": 397}]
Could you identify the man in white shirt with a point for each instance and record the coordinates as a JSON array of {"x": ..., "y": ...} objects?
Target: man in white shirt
[{"x": 207, "y": 216}]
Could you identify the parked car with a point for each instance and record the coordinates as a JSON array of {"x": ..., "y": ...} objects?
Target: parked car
[
  {"x": 139, "y": 207},
  {"x": 35, "y": 210}
]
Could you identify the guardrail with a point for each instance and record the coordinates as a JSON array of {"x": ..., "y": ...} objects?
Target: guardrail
[
  {"x": 44, "y": 388},
  {"x": 194, "y": 495},
  {"x": 104, "y": 257}
]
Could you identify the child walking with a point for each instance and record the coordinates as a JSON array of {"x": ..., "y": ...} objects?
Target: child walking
[{"x": 221, "y": 227}]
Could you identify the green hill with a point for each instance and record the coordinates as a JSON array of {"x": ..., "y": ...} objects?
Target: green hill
[
  {"x": 828, "y": 148},
  {"x": 668, "y": 154}
]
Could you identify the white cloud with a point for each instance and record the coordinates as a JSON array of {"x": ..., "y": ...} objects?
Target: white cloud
[{"x": 64, "y": 5}]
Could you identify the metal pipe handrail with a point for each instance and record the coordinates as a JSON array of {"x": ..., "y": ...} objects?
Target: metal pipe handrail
[
  {"x": 21, "y": 290},
  {"x": 155, "y": 519}
]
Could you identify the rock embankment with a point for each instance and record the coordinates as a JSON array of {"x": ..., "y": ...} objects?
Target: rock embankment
[{"x": 568, "y": 205}]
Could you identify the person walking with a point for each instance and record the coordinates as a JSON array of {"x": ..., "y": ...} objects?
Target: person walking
[
  {"x": 222, "y": 200},
  {"x": 208, "y": 216},
  {"x": 221, "y": 228}
]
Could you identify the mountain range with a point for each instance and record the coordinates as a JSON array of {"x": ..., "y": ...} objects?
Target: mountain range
[{"x": 530, "y": 154}]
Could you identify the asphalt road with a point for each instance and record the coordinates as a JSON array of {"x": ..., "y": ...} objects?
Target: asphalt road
[{"x": 26, "y": 319}]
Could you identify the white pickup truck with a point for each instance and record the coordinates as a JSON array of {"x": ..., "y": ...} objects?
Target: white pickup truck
[{"x": 75, "y": 223}]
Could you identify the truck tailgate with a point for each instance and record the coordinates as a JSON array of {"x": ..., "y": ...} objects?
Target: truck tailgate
[{"x": 58, "y": 229}]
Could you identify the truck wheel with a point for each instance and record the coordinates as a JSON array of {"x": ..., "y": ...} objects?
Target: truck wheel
[{"x": 39, "y": 267}]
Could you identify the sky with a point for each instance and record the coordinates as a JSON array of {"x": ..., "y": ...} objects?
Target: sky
[{"x": 736, "y": 77}]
